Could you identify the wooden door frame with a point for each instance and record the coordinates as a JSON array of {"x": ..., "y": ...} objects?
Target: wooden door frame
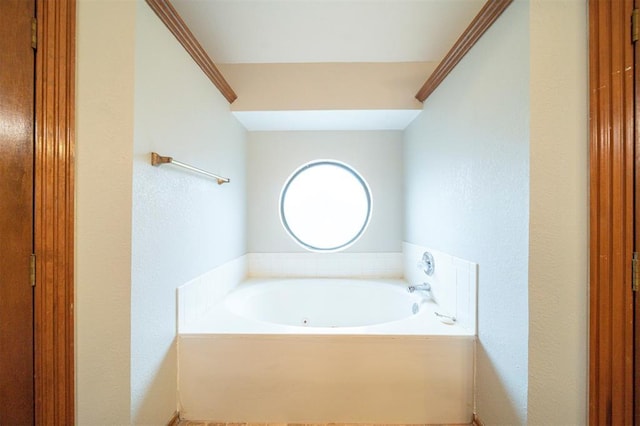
[
  {"x": 636, "y": 220},
  {"x": 54, "y": 212},
  {"x": 611, "y": 113}
]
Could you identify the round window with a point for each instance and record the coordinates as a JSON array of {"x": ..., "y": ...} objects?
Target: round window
[{"x": 325, "y": 205}]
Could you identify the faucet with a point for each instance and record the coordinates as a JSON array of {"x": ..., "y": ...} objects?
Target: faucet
[{"x": 426, "y": 287}]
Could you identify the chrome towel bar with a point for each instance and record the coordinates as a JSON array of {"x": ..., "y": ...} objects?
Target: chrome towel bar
[{"x": 157, "y": 159}]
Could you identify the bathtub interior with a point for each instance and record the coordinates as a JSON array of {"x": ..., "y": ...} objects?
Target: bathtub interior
[{"x": 332, "y": 303}]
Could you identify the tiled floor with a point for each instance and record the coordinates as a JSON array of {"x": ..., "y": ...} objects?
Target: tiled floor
[{"x": 205, "y": 423}]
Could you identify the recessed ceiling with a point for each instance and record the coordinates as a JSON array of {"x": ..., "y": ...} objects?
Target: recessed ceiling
[
  {"x": 308, "y": 31},
  {"x": 326, "y": 120},
  {"x": 326, "y": 31}
]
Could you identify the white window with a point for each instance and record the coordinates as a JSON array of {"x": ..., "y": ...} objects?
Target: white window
[{"x": 325, "y": 205}]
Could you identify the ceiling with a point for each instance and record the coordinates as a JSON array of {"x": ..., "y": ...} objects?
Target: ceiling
[
  {"x": 308, "y": 31},
  {"x": 243, "y": 32}
]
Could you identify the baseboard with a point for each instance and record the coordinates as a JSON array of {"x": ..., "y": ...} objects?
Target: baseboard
[
  {"x": 175, "y": 419},
  {"x": 476, "y": 420}
]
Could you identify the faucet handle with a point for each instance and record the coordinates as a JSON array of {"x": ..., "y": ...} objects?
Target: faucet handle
[{"x": 427, "y": 263}]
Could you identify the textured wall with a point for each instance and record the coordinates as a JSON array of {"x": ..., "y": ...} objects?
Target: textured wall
[
  {"x": 559, "y": 204},
  {"x": 467, "y": 194},
  {"x": 183, "y": 224},
  {"x": 105, "y": 92},
  {"x": 274, "y": 156}
]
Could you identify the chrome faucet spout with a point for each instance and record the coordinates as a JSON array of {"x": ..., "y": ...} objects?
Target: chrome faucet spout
[{"x": 426, "y": 287}]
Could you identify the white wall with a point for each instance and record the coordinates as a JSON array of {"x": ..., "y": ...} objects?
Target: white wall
[
  {"x": 467, "y": 194},
  {"x": 539, "y": 47},
  {"x": 274, "y": 156},
  {"x": 104, "y": 117},
  {"x": 558, "y": 214},
  {"x": 142, "y": 231},
  {"x": 183, "y": 224}
]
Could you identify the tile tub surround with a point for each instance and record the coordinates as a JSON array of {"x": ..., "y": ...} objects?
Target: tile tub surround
[
  {"x": 325, "y": 265},
  {"x": 453, "y": 283},
  {"x": 227, "y": 320},
  {"x": 198, "y": 296}
]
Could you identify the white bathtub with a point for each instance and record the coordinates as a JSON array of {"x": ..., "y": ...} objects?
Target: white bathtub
[
  {"x": 322, "y": 351},
  {"x": 323, "y": 303},
  {"x": 324, "y": 306}
]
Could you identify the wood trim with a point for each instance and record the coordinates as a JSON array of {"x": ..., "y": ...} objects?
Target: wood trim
[
  {"x": 636, "y": 219},
  {"x": 611, "y": 115},
  {"x": 476, "y": 421},
  {"x": 480, "y": 24},
  {"x": 175, "y": 419},
  {"x": 54, "y": 212},
  {"x": 170, "y": 17}
]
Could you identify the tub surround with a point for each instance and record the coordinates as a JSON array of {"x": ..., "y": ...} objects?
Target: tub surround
[
  {"x": 201, "y": 294},
  {"x": 326, "y": 265},
  {"x": 226, "y": 318},
  {"x": 454, "y": 282},
  {"x": 198, "y": 296}
]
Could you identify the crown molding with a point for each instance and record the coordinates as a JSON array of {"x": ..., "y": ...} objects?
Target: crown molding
[
  {"x": 480, "y": 24},
  {"x": 172, "y": 20}
]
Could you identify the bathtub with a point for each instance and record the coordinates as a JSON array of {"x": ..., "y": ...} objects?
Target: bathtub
[
  {"x": 322, "y": 351},
  {"x": 328, "y": 303}
]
